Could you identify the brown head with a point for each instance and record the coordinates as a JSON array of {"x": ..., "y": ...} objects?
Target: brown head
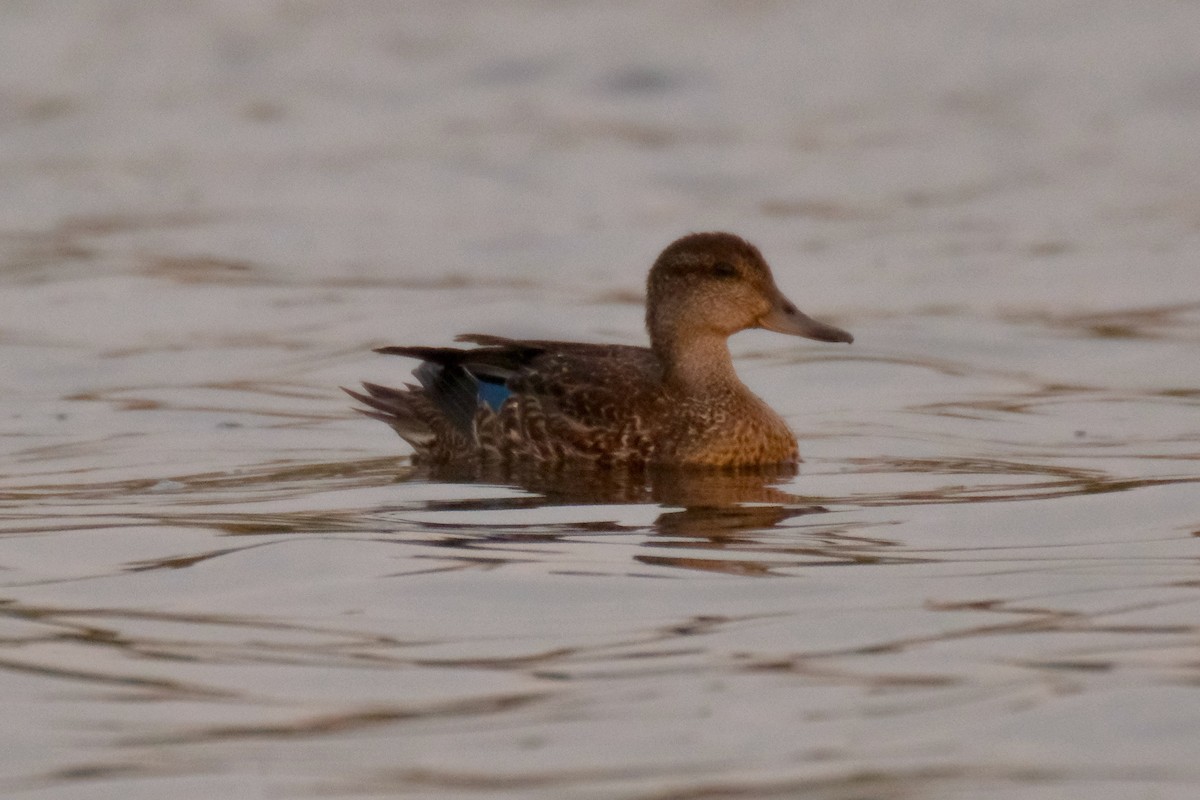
[{"x": 708, "y": 284}]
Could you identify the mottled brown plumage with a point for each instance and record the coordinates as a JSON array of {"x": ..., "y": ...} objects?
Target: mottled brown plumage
[{"x": 678, "y": 402}]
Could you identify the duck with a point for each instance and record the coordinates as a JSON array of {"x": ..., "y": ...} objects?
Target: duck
[{"x": 676, "y": 403}]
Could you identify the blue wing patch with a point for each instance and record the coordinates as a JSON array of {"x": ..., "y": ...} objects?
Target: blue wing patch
[{"x": 493, "y": 394}]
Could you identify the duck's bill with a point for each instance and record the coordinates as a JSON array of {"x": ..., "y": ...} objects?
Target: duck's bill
[{"x": 786, "y": 318}]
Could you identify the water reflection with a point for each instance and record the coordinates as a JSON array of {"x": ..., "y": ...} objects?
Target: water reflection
[
  {"x": 735, "y": 522},
  {"x": 583, "y": 485}
]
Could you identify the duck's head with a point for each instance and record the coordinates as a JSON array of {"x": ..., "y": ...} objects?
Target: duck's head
[{"x": 709, "y": 284}]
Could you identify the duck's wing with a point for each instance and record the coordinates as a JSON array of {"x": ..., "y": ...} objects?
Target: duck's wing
[
  {"x": 565, "y": 395},
  {"x": 457, "y": 381}
]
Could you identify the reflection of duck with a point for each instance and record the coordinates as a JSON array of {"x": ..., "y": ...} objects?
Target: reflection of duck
[
  {"x": 697, "y": 502},
  {"x": 560, "y": 484},
  {"x": 727, "y": 521},
  {"x": 677, "y": 402}
]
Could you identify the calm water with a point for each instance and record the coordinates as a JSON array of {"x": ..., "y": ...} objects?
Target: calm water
[{"x": 216, "y": 580}]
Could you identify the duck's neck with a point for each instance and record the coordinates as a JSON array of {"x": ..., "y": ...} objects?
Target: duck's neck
[{"x": 699, "y": 364}]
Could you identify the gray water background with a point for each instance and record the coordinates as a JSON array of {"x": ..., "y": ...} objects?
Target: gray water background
[{"x": 215, "y": 580}]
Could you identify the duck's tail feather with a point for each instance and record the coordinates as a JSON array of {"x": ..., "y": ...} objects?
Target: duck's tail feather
[
  {"x": 439, "y": 413},
  {"x": 402, "y": 409}
]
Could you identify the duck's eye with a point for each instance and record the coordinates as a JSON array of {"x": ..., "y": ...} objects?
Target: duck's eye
[{"x": 723, "y": 269}]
